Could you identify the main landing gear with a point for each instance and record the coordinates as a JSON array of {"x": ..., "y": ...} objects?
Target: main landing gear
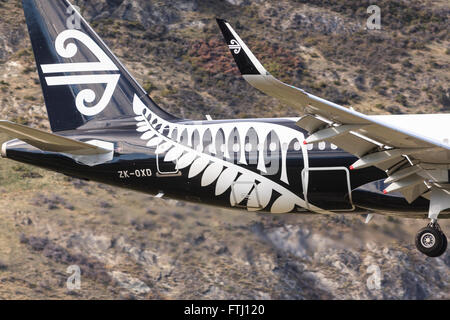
[{"x": 431, "y": 241}]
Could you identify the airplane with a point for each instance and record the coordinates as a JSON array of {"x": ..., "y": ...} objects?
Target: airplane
[{"x": 328, "y": 160}]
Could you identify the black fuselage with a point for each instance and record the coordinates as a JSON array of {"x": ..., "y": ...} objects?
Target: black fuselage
[{"x": 329, "y": 185}]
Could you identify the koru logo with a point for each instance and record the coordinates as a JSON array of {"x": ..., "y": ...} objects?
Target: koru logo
[
  {"x": 235, "y": 46},
  {"x": 86, "y": 96}
]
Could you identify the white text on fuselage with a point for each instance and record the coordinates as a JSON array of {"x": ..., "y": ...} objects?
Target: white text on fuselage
[{"x": 138, "y": 173}]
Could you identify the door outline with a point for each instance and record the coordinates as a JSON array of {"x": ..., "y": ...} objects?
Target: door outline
[
  {"x": 305, "y": 184},
  {"x": 160, "y": 173}
]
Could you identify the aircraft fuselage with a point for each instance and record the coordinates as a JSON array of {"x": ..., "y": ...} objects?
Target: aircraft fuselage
[{"x": 315, "y": 178}]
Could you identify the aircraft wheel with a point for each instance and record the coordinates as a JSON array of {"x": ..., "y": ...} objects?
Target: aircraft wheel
[
  {"x": 444, "y": 245},
  {"x": 431, "y": 241}
]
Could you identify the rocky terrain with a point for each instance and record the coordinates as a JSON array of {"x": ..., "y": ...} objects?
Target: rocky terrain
[{"x": 133, "y": 246}]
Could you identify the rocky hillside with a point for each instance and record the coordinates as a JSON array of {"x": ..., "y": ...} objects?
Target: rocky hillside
[
  {"x": 176, "y": 51},
  {"x": 133, "y": 246},
  {"x": 130, "y": 245}
]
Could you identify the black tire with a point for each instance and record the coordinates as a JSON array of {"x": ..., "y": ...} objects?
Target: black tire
[
  {"x": 444, "y": 245},
  {"x": 430, "y": 241}
]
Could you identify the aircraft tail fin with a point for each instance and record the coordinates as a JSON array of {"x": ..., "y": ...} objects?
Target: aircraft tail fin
[
  {"x": 247, "y": 63},
  {"x": 82, "y": 80}
]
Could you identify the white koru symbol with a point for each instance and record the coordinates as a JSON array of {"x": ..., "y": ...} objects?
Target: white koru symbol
[
  {"x": 234, "y": 45},
  {"x": 68, "y": 50}
]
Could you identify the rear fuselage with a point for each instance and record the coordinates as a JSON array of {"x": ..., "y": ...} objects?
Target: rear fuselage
[{"x": 263, "y": 171}]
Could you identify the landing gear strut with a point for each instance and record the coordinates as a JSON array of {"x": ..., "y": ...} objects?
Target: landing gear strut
[{"x": 431, "y": 241}]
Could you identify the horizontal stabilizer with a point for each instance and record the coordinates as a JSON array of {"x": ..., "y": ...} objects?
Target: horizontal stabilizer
[{"x": 50, "y": 142}]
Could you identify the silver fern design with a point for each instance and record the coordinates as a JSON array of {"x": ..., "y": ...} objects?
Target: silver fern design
[{"x": 168, "y": 138}]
